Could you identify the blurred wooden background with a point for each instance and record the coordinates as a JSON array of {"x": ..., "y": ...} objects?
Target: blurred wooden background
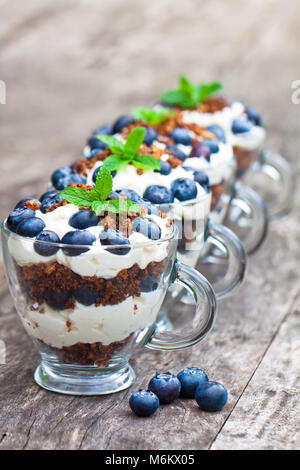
[{"x": 70, "y": 66}]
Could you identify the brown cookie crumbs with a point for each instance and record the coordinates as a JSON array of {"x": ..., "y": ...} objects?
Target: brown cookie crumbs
[
  {"x": 212, "y": 104},
  {"x": 216, "y": 192},
  {"x": 55, "y": 206},
  {"x": 39, "y": 281},
  {"x": 96, "y": 354},
  {"x": 33, "y": 205}
]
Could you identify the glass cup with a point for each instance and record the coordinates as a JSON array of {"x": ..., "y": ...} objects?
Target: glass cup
[
  {"x": 268, "y": 173},
  {"x": 228, "y": 197},
  {"x": 87, "y": 328},
  {"x": 271, "y": 176},
  {"x": 197, "y": 233}
]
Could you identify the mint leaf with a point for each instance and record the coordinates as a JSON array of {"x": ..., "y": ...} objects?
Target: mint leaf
[
  {"x": 188, "y": 95},
  {"x": 114, "y": 163},
  {"x": 173, "y": 97},
  {"x": 78, "y": 196},
  {"x": 135, "y": 140},
  {"x": 142, "y": 114},
  {"x": 186, "y": 87},
  {"x": 146, "y": 162},
  {"x": 103, "y": 183},
  {"x": 116, "y": 206},
  {"x": 128, "y": 153},
  {"x": 208, "y": 89},
  {"x": 115, "y": 145},
  {"x": 97, "y": 198},
  {"x": 152, "y": 116}
]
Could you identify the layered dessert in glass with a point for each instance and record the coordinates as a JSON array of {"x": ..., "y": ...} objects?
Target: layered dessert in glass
[
  {"x": 179, "y": 191},
  {"x": 75, "y": 286},
  {"x": 242, "y": 126},
  {"x": 202, "y": 152}
]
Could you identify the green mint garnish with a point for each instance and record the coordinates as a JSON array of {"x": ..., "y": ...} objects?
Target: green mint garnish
[
  {"x": 97, "y": 198},
  {"x": 123, "y": 154},
  {"x": 188, "y": 95},
  {"x": 153, "y": 117}
]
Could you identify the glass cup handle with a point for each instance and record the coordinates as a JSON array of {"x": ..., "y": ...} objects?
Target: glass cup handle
[
  {"x": 205, "y": 310},
  {"x": 222, "y": 237},
  {"x": 247, "y": 201},
  {"x": 279, "y": 170}
]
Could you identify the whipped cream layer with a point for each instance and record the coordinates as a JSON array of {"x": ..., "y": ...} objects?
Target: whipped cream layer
[
  {"x": 97, "y": 261},
  {"x": 224, "y": 118},
  {"x": 220, "y": 167},
  {"x": 105, "y": 324}
]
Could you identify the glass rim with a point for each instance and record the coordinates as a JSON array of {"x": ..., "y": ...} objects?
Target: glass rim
[{"x": 5, "y": 230}]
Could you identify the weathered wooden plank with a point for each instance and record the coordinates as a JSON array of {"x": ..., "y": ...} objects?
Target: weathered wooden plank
[
  {"x": 82, "y": 67},
  {"x": 267, "y": 415}
]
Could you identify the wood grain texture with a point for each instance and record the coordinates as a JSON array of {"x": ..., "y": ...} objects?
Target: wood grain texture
[{"x": 70, "y": 66}]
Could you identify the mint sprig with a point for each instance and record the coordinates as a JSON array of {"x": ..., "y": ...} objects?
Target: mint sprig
[
  {"x": 97, "y": 197},
  {"x": 123, "y": 154},
  {"x": 188, "y": 95},
  {"x": 152, "y": 116}
]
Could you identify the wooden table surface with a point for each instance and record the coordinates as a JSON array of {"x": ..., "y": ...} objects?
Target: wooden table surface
[{"x": 70, "y": 66}]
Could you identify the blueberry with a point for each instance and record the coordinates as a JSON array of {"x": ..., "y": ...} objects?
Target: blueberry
[
  {"x": 165, "y": 168},
  {"x": 48, "y": 194},
  {"x": 218, "y": 131},
  {"x": 95, "y": 174},
  {"x": 114, "y": 195},
  {"x": 104, "y": 130},
  {"x": 158, "y": 194},
  {"x": 240, "y": 126},
  {"x": 130, "y": 195},
  {"x": 23, "y": 202},
  {"x": 212, "y": 144},
  {"x": 166, "y": 386},
  {"x": 16, "y": 217},
  {"x": 211, "y": 396},
  {"x": 111, "y": 236},
  {"x": 123, "y": 121},
  {"x": 147, "y": 227},
  {"x": 30, "y": 227},
  {"x": 66, "y": 181},
  {"x": 49, "y": 201},
  {"x": 177, "y": 152},
  {"x": 85, "y": 296},
  {"x": 190, "y": 378},
  {"x": 150, "y": 136},
  {"x": 95, "y": 143},
  {"x": 254, "y": 116},
  {"x": 84, "y": 219},
  {"x": 77, "y": 237},
  {"x": 188, "y": 168},
  {"x": 59, "y": 174},
  {"x": 201, "y": 150},
  {"x": 143, "y": 403},
  {"x": 201, "y": 178},
  {"x": 150, "y": 207},
  {"x": 57, "y": 300},
  {"x": 184, "y": 189},
  {"x": 181, "y": 136},
  {"x": 43, "y": 248},
  {"x": 149, "y": 284},
  {"x": 93, "y": 153}
]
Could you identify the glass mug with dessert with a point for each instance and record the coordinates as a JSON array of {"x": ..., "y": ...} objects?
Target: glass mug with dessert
[
  {"x": 156, "y": 173},
  {"x": 88, "y": 274},
  {"x": 203, "y": 153},
  {"x": 268, "y": 173}
]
